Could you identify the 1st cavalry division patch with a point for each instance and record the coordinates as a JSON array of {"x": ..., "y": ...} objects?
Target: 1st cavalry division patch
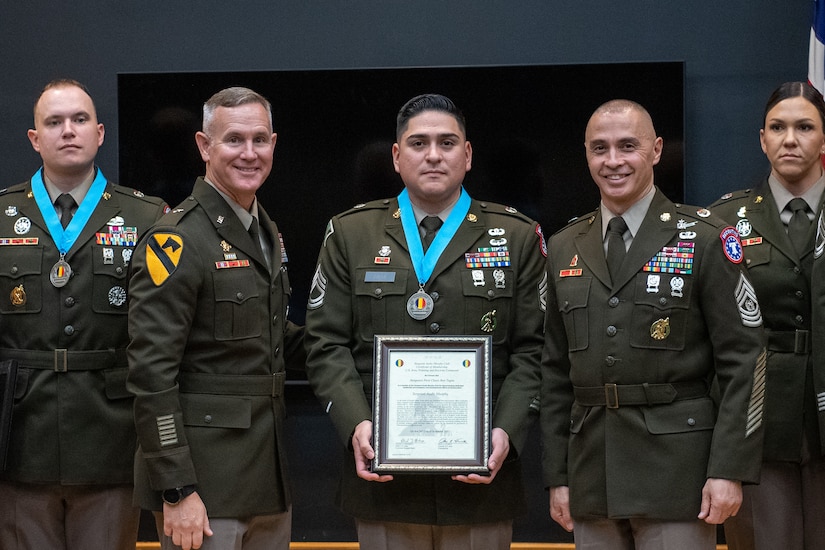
[{"x": 163, "y": 252}]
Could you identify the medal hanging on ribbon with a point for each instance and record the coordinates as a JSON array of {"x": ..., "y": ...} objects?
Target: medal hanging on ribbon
[
  {"x": 63, "y": 239},
  {"x": 420, "y": 304}
]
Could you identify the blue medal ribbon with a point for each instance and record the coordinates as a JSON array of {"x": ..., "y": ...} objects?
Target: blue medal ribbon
[
  {"x": 424, "y": 264},
  {"x": 65, "y": 238}
]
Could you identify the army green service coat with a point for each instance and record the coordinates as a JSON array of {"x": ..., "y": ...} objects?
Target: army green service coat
[
  {"x": 72, "y": 421},
  {"x": 782, "y": 280},
  {"x": 627, "y": 422},
  {"x": 208, "y": 324},
  {"x": 348, "y": 307}
]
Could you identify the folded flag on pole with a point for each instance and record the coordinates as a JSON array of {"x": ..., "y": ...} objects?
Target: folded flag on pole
[{"x": 816, "y": 50}]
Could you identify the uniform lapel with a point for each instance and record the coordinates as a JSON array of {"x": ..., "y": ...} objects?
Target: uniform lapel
[
  {"x": 226, "y": 222},
  {"x": 763, "y": 217},
  {"x": 590, "y": 248}
]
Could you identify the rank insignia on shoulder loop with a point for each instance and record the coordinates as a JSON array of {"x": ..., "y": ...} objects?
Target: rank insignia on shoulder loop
[
  {"x": 138, "y": 194},
  {"x": 510, "y": 209},
  {"x": 489, "y": 321},
  {"x": 731, "y": 244},
  {"x": 726, "y": 196},
  {"x": 18, "y": 296},
  {"x": 163, "y": 252},
  {"x": 703, "y": 212},
  {"x": 660, "y": 329}
]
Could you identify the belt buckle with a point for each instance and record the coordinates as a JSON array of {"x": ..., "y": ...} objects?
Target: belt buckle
[
  {"x": 61, "y": 360},
  {"x": 611, "y": 396}
]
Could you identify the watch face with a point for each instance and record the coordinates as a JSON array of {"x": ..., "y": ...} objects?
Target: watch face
[{"x": 171, "y": 496}]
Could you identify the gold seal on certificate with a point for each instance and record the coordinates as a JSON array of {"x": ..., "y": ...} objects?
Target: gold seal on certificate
[
  {"x": 420, "y": 305},
  {"x": 60, "y": 273}
]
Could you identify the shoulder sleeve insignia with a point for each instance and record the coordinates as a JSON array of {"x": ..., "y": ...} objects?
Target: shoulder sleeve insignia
[
  {"x": 819, "y": 247},
  {"x": 163, "y": 251},
  {"x": 731, "y": 244},
  {"x": 542, "y": 241}
]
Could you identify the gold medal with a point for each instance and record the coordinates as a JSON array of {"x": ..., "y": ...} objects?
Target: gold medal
[
  {"x": 660, "y": 329},
  {"x": 18, "y": 296}
]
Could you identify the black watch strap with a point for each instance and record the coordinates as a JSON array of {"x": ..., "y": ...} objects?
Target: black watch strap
[{"x": 174, "y": 496}]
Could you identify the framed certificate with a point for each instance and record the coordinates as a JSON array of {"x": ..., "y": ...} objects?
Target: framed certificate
[{"x": 431, "y": 408}]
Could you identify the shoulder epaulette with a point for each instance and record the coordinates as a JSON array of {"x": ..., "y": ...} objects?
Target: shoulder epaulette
[
  {"x": 700, "y": 214},
  {"x": 135, "y": 193},
  {"x": 14, "y": 188},
  {"x": 496, "y": 208},
  {"x": 372, "y": 205}
]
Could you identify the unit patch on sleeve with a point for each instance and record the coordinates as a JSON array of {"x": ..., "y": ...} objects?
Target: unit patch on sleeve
[{"x": 163, "y": 251}]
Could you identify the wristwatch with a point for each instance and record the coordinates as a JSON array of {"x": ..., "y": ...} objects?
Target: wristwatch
[{"x": 174, "y": 496}]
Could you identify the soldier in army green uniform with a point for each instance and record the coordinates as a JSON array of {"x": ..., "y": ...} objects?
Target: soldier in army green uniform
[
  {"x": 786, "y": 510},
  {"x": 481, "y": 275},
  {"x": 636, "y": 452},
  {"x": 209, "y": 337},
  {"x": 66, "y": 241}
]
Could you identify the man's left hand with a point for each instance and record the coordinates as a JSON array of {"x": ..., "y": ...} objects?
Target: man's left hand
[{"x": 501, "y": 448}]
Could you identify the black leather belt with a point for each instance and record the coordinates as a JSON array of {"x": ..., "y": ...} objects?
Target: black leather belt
[
  {"x": 233, "y": 384},
  {"x": 64, "y": 360},
  {"x": 614, "y": 396},
  {"x": 789, "y": 341}
]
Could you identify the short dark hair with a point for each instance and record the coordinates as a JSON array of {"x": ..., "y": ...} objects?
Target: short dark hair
[
  {"x": 63, "y": 83},
  {"x": 233, "y": 97},
  {"x": 428, "y": 102},
  {"x": 796, "y": 89}
]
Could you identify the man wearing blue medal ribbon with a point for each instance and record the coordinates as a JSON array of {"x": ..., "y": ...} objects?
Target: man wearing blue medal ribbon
[
  {"x": 66, "y": 239},
  {"x": 431, "y": 261}
]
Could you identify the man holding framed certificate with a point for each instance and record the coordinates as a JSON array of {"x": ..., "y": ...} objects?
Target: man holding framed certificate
[{"x": 395, "y": 276}]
